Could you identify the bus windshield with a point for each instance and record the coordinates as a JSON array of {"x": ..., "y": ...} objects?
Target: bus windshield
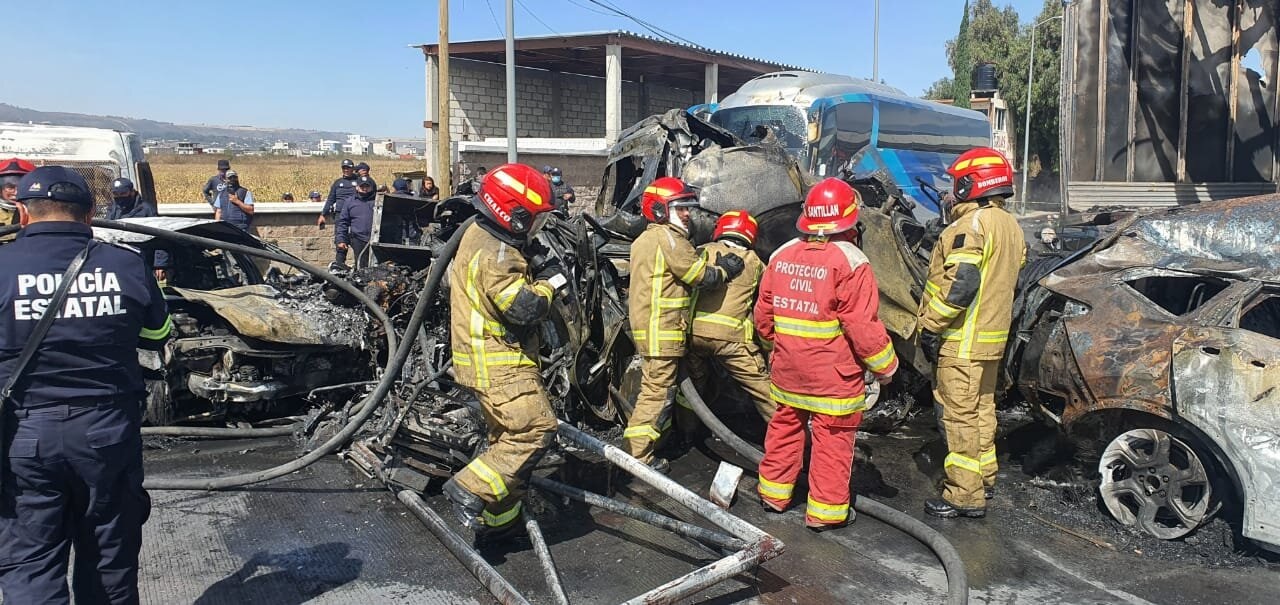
[
  {"x": 787, "y": 122},
  {"x": 912, "y": 129}
]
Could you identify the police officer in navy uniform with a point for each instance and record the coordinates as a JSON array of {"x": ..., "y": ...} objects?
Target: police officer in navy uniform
[
  {"x": 341, "y": 192},
  {"x": 73, "y": 467}
]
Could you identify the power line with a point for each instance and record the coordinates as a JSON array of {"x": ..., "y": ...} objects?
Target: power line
[
  {"x": 536, "y": 17},
  {"x": 589, "y": 9},
  {"x": 501, "y": 32},
  {"x": 658, "y": 31}
]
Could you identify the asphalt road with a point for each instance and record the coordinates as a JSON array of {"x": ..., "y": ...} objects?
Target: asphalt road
[{"x": 330, "y": 535}]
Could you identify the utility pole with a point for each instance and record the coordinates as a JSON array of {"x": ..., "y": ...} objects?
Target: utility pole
[
  {"x": 511, "y": 82},
  {"x": 443, "y": 158},
  {"x": 875, "y": 47},
  {"x": 1026, "y": 131}
]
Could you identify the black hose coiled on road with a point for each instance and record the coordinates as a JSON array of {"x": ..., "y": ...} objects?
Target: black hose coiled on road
[
  {"x": 395, "y": 362},
  {"x": 957, "y": 579}
]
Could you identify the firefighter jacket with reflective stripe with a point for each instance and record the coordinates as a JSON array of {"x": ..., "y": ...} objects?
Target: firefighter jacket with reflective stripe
[
  {"x": 968, "y": 298},
  {"x": 664, "y": 269},
  {"x": 818, "y": 303},
  {"x": 725, "y": 314},
  {"x": 491, "y": 296}
]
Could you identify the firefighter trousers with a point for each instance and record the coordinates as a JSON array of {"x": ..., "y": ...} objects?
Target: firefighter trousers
[
  {"x": 966, "y": 391},
  {"x": 652, "y": 415},
  {"x": 830, "y": 462},
  {"x": 521, "y": 427},
  {"x": 742, "y": 361}
]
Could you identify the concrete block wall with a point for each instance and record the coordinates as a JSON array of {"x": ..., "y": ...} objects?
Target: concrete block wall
[{"x": 549, "y": 104}]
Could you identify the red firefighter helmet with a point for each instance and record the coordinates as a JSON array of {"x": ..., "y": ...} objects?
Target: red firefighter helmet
[
  {"x": 663, "y": 195},
  {"x": 981, "y": 172},
  {"x": 831, "y": 207},
  {"x": 739, "y": 224},
  {"x": 513, "y": 196},
  {"x": 15, "y": 167}
]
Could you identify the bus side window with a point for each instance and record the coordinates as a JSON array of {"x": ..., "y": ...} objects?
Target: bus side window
[{"x": 846, "y": 129}]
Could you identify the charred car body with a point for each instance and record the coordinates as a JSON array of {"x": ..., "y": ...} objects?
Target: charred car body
[{"x": 1152, "y": 340}]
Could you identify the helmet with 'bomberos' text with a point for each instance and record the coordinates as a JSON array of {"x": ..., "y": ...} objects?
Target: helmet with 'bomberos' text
[
  {"x": 980, "y": 172},
  {"x": 831, "y": 207},
  {"x": 513, "y": 196}
]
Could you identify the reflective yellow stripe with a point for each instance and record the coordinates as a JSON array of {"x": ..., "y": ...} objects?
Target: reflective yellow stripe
[
  {"x": 833, "y": 513},
  {"x": 748, "y": 330},
  {"x": 971, "y": 317},
  {"x": 655, "y": 302},
  {"x": 478, "y": 320},
  {"x": 983, "y": 336},
  {"x": 514, "y": 183},
  {"x": 988, "y": 457},
  {"x": 881, "y": 361},
  {"x": 544, "y": 291},
  {"x": 963, "y": 462},
  {"x": 160, "y": 333},
  {"x": 964, "y": 257},
  {"x": 933, "y": 288},
  {"x": 502, "y": 518},
  {"x": 775, "y": 490},
  {"x": 834, "y": 406},
  {"x": 695, "y": 271},
  {"x": 663, "y": 335},
  {"x": 941, "y": 307},
  {"x": 989, "y": 160},
  {"x": 804, "y": 328},
  {"x": 490, "y": 476},
  {"x": 674, "y": 303},
  {"x": 643, "y": 430},
  {"x": 508, "y": 294}
]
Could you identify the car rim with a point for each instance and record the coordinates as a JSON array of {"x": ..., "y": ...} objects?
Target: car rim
[{"x": 1155, "y": 482}]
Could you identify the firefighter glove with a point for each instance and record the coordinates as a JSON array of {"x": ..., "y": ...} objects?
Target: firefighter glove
[
  {"x": 731, "y": 264},
  {"x": 930, "y": 344}
]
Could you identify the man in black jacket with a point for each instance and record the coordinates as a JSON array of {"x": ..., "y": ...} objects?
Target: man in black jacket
[
  {"x": 127, "y": 203},
  {"x": 355, "y": 224}
]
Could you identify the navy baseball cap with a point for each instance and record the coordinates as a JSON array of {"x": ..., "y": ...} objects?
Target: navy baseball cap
[
  {"x": 546, "y": 170},
  {"x": 362, "y": 166},
  {"x": 224, "y": 165},
  {"x": 121, "y": 186},
  {"x": 57, "y": 183},
  {"x": 555, "y": 172},
  {"x": 348, "y": 164},
  {"x": 315, "y": 195},
  {"x": 365, "y": 181},
  {"x": 400, "y": 184}
]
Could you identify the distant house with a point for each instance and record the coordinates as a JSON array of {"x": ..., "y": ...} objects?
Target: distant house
[
  {"x": 327, "y": 146},
  {"x": 188, "y": 148},
  {"x": 356, "y": 145},
  {"x": 385, "y": 148},
  {"x": 215, "y": 150}
]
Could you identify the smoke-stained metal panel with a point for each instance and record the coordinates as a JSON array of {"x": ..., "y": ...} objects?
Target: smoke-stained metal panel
[{"x": 1172, "y": 91}]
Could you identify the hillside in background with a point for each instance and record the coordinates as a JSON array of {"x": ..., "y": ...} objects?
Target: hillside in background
[{"x": 151, "y": 129}]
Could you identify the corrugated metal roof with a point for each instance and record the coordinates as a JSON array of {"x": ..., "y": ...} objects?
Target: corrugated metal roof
[{"x": 631, "y": 34}]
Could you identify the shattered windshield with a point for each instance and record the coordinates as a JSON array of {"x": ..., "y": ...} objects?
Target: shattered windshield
[{"x": 788, "y": 124}]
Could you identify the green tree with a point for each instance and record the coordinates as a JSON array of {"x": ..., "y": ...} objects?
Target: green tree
[
  {"x": 961, "y": 64},
  {"x": 1044, "y": 88},
  {"x": 940, "y": 90}
]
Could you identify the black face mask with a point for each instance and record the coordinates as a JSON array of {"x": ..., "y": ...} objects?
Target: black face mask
[
  {"x": 126, "y": 202},
  {"x": 366, "y": 195}
]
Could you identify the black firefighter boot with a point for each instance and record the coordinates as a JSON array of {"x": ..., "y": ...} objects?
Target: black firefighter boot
[
  {"x": 467, "y": 506},
  {"x": 939, "y": 507}
]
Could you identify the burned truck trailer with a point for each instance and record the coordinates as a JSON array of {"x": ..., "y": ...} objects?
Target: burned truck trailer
[{"x": 1168, "y": 102}]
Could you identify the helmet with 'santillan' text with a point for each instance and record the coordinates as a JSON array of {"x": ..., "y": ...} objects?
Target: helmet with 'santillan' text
[{"x": 831, "y": 207}]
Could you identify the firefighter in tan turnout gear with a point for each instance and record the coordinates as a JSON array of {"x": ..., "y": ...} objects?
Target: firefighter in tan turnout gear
[
  {"x": 497, "y": 302},
  {"x": 964, "y": 322},
  {"x": 723, "y": 330},
  {"x": 664, "y": 270}
]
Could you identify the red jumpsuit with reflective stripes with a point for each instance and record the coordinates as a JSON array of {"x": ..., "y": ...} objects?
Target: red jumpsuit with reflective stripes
[{"x": 818, "y": 303}]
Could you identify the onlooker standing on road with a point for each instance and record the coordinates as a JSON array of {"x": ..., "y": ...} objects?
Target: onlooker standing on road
[
  {"x": 314, "y": 197},
  {"x": 235, "y": 204},
  {"x": 341, "y": 192},
  {"x": 401, "y": 186},
  {"x": 73, "y": 471},
  {"x": 471, "y": 187},
  {"x": 429, "y": 190},
  {"x": 561, "y": 193},
  {"x": 355, "y": 224},
  {"x": 216, "y": 183},
  {"x": 11, "y": 171},
  {"x": 127, "y": 203}
]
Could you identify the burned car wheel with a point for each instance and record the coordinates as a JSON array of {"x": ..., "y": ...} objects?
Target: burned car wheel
[{"x": 1155, "y": 482}]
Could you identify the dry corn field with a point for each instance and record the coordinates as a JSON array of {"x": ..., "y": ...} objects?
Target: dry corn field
[{"x": 179, "y": 179}]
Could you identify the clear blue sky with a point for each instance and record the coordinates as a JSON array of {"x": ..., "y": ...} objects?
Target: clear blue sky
[{"x": 346, "y": 66}]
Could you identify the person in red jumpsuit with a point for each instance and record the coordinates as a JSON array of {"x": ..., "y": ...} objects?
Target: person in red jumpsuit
[{"x": 817, "y": 304}]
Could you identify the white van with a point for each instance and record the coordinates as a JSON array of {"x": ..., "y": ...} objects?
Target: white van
[{"x": 98, "y": 154}]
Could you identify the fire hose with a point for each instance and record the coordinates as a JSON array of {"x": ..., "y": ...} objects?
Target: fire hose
[
  {"x": 395, "y": 362},
  {"x": 957, "y": 580}
]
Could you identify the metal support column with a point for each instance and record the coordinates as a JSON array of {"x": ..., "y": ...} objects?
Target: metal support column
[
  {"x": 511, "y": 82},
  {"x": 711, "y": 83},
  {"x": 612, "y": 92}
]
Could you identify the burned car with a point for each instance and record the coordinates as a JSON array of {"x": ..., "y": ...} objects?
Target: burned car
[
  {"x": 246, "y": 344},
  {"x": 1156, "y": 349}
]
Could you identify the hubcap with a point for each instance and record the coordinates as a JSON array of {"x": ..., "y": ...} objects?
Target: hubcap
[{"x": 1155, "y": 482}]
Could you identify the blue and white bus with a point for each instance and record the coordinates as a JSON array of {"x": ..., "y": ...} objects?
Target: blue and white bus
[{"x": 833, "y": 123}]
